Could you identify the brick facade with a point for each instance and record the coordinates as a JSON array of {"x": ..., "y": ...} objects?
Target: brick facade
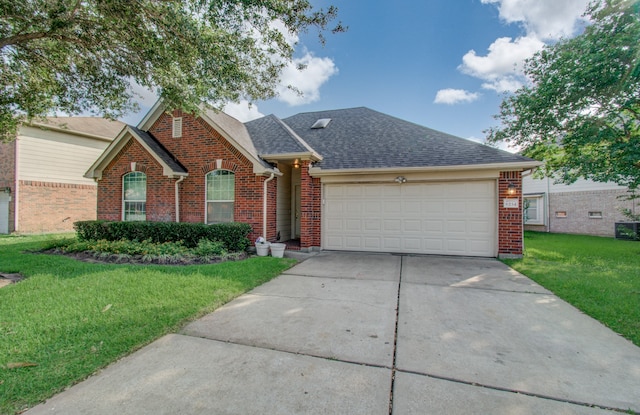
[
  {"x": 510, "y": 228},
  {"x": 200, "y": 150},
  {"x": 310, "y": 209},
  {"x": 53, "y": 207},
  {"x": 577, "y": 206}
]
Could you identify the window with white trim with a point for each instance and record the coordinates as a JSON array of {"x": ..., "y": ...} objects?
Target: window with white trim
[
  {"x": 534, "y": 210},
  {"x": 220, "y": 196},
  {"x": 134, "y": 196}
]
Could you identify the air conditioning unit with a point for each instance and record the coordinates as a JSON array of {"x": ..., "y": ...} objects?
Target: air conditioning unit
[{"x": 628, "y": 230}]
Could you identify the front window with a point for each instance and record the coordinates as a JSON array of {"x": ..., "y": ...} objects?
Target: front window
[
  {"x": 533, "y": 210},
  {"x": 134, "y": 195},
  {"x": 220, "y": 196}
]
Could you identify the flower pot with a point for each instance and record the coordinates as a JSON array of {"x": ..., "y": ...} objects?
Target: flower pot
[
  {"x": 262, "y": 249},
  {"x": 277, "y": 250}
]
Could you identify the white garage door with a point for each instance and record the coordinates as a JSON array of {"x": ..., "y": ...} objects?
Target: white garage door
[{"x": 427, "y": 218}]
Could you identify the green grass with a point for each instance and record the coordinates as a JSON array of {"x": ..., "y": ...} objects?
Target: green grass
[
  {"x": 71, "y": 318},
  {"x": 600, "y": 276}
]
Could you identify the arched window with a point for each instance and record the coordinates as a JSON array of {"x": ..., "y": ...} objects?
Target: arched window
[
  {"x": 134, "y": 196},
  {"x": 220, "y": 196}
]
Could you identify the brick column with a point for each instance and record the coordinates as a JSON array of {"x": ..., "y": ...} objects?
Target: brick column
[
  {"x": 510, "y": 227},
  {"x": 310, "y": 209}
]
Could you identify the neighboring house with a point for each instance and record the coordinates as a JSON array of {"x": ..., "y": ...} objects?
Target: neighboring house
[
  {"x": 42, "y": 187},
  {"x": 352, "y": 179},
  {"x": 584, "y": 207}
]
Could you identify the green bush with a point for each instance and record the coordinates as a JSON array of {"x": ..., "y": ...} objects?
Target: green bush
[
  {"x": 207, "y": 248},
  {"x": 233, "y": 236}
]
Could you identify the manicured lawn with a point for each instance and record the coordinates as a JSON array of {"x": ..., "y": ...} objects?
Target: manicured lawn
[
  {"x": 600, "y": 276},
  {"x": 69, "y": 318}
]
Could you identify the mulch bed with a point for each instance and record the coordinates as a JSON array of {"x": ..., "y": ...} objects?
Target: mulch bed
[{"x": 97, "y": 258}]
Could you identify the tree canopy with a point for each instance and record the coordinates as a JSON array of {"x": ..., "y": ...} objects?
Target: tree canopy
[
  {"x": 75, "y": 56},
  {"x": 580, "y": 113}
]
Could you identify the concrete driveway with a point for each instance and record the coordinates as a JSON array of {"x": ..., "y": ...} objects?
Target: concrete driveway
[{"x": 347, "y": 333}]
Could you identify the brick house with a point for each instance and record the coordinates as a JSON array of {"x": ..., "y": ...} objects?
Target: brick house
[
  {"x": 584, "y": 207},
  {"x": 42, "y": 188},
  {"x": 352, "y": 179}
]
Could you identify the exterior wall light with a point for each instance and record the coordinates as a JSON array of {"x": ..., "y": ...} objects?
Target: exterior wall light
[
  {"x": 511, "y": 189},
  {"x": 296, "y": 164},
  {"x": 400, "y": 179}
]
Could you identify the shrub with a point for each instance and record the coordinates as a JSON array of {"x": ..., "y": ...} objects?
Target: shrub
[
  {"x": 207, "y": 248},
  {"x": 233, "y": 236}
]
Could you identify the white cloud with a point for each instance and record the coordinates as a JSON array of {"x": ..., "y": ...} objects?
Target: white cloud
[
  {"x": 242, "y": 111},
  {"x": 501, "y": 68},
  {"x": 307, "y": 81},
  {"x": 454, "y": 96},
  {"x": 544, "y": 19}
]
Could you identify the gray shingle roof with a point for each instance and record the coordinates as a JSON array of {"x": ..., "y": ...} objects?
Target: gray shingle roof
[
  {"x": 360, "y": 138},
  {"x": 159, "y": 150},
  {"x": 270, "y": 136}
]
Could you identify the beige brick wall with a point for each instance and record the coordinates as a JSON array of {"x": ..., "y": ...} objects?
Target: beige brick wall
[
  {"x": 577, "y": 206},
  {"x": 53, "y": 207}
]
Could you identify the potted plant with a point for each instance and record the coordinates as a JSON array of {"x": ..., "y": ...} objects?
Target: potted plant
[
  {"x": 262, "y": 246},
  {"x": 277, "y": 250}
]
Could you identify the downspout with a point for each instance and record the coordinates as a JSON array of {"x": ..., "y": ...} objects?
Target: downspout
[
  {"x": 264, "y": 206},
  {"x": 178, "y": 197}
]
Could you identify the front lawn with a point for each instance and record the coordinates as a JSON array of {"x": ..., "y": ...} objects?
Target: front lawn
[
  {"x": 600, "y": 276},
  {"x": 68, "y": 318}
]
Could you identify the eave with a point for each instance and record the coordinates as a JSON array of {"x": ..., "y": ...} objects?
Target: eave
[{"x": 518, "y": 166}]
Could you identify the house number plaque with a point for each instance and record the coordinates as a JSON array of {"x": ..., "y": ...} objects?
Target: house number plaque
[{"x": 510, "y": 203}]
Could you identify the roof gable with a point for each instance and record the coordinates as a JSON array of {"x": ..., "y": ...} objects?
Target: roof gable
[
  {"x": 228, "y": 127},
  {"x": 171, "y": 167}
]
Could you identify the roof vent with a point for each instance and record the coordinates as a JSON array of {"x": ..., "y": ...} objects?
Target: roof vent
[{"x": 321, "y": 123}]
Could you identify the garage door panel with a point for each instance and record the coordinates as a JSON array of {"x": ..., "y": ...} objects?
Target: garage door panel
[
  {"x": 434, "y": 227},
  {"x": 371, "y": 244},
  {"x": 373, "y": 207},
  {"x": 353, "y": 226},
  {"x": 412, "y": 244},
  {"x": 372, "y": 225},
  {"x": 392, "y": 225},
  {"x": 431, "y": 218},
  {"x": 412, "y": 226},
  {"x": 456, "y": 227},
  {"x": 392, "y": 243}
]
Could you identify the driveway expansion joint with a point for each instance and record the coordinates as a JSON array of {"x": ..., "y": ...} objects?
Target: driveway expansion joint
[
  {"x": 395, "y": 340},
  {"x": 516, "y": 391}
]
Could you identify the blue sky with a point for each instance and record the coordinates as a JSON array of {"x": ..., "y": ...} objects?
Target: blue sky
[{"x": 444, "y": 64}]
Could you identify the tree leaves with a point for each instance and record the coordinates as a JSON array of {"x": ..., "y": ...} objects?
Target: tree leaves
[
  {"x": 581, "y": 112},
  {"x": 73, "y": 57}
]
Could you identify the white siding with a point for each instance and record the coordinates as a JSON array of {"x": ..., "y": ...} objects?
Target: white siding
[
  {"x": 51, "y": 156},
  {"x": 531, "y": 185}
]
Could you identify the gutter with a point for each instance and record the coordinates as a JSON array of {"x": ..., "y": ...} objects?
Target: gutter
[
  {"x": 524, "y": 165},
  {"x": 264, "y": 206},
  {"x": 178, "y": 197}
]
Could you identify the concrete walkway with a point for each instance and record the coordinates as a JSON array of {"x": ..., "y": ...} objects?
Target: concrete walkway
[{"x": 344, "y": 333}]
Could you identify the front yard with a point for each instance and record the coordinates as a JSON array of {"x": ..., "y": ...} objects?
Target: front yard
[
  {"x": 600, "y": 276},
  {"x": 68, "y": 318}
]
